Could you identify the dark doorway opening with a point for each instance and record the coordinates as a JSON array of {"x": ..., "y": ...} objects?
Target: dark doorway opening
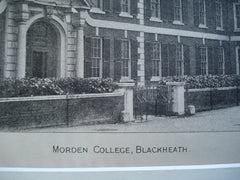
[{"x": 42, "y": 50}]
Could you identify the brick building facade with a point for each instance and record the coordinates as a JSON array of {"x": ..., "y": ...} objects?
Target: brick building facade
[{"x": 127, "y": 40}]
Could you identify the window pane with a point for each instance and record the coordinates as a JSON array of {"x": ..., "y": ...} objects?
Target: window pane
[
  {"x": 95, "y": 57},
  {"x": 156, "y": 52},
  {"x": 125, "y": 49},
  {"x": 125, "y": 68},
  {"x": 203, "y": 57},
  {"x": 125, "y": 6},
  {"x": 218, "y": 13},
  {"x": 155, "y": 6},
  {"x": 221, "y": 67},
  {"x": 155, "y": 67},
  {"x": 177, "y": 10},
  {"x": 179, "y": 60},
  {"x": 202, "y": 15},
  {"x": 125, "y": 58},
  {"x": 238, "y": 15}
]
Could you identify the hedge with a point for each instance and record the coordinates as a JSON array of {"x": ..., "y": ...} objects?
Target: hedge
[
  {"x": 39, "y": 87},
  {"x": 210, "y": 81}
]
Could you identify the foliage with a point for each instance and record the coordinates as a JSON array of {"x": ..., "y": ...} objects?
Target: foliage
[
  {"x": 39, "y": 87},
  {"x": 210, "y": 81},
  {"x": 81, "y": 86}
]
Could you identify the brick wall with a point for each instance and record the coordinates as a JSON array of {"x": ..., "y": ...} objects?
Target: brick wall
[
  {"x": 46, "y": 111},
  {"x": 207, "y": 99},
  {"x": 95, "y": 110}
]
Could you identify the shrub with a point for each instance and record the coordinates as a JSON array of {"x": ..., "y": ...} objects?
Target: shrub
[
  {"x": 80, "y": 86},
  {"x": 210, "y": 81},
  {"x": 39, "y": 87}
]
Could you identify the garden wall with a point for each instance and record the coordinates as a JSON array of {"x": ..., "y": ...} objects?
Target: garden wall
[
  {"x": 212, "y": 98},
  {"x": 43, "y": 111}
]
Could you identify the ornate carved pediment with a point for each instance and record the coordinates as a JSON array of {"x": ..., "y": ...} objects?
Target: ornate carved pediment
[
  {"x": 49, "y": 11},
  {"x": 52, "y": 10},
  {"x": 64, "y": 3}
]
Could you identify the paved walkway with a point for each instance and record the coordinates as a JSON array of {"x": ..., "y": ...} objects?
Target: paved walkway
[{"x": 217, "y": 120}]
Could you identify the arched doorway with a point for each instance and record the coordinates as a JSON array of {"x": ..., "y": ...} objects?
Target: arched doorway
[{"x": 42, "y": 50}]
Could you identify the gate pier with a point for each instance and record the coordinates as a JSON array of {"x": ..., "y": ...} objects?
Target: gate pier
[
  {"x": 128, "y": 100},
  {"x": 177, "y": 97}
]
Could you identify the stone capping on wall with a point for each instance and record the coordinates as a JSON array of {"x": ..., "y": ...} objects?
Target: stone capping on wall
[
  {"x": 118, "y": 92},
  {"x": 175, "y": 83},
  {"x": 209, "y": 89}
]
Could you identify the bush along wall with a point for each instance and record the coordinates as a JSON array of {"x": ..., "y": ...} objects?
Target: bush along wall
[
  {"x": 199, "y": 82},
  {"x": 40, "y": 87},
  {"x": 209, "y": 92}
]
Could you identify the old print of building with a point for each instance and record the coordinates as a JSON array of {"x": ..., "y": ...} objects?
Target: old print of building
[{"x": 127, "y": 40}]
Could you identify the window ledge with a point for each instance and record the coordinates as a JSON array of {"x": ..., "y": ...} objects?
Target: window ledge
[
  {"x": 203, "y": 26},
  {"x": 178, "y": 23},
  {"x": 155, "y": 78},
  {"x": 124, "y": 14},
  {"x": 155, "y": 19},
  {"x": 219, "y": 29},
  {"x": 97, "y": 11}
]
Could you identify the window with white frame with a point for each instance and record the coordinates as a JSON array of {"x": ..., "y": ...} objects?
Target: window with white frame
[
  {"x": 96, "y": 57},
  {"x": 204, "y": 60},
  {"x": 125, "y": 57},
  {"x": 219, "y": 18},
  {"x": 125, "y": 6},
  {"x": 237, "y": 16},
  {"x": 179, "y": 60},
  {"x": 156, "y": 59},
  {"x": 221, "y": 61},
  {"x": 178, "y": 10},
  {"x": 98, "y": 4},
  {"x": 202, "y": 13},
  {"x": 155, "y": 7}
]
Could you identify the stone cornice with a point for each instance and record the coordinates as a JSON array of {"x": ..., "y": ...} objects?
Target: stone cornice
[
  {"x": 149, "y": 29},
  {"x": 53, "y": 3}
]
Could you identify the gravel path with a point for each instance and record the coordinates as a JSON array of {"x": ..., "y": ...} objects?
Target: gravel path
[{"x": 217, "y": 120}]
